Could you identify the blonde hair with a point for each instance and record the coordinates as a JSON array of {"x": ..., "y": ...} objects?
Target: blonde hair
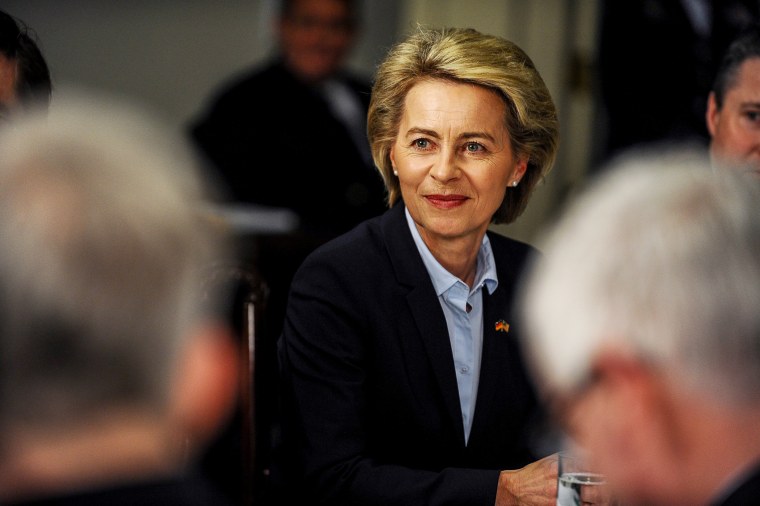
[{"x": 466, "y": 55}]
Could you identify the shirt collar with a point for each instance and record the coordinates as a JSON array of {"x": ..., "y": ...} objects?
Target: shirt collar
[{"x": 442, "y": 279}]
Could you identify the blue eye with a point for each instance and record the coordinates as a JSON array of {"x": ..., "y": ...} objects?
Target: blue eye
[
  {"x": 421, "y": 143},
  {"x": 474, "y": 147}
]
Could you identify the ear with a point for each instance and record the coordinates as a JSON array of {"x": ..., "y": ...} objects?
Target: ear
[
  {"x": 712, "y": 116},
  {"x": 392, "y": 155},
  {"x": 519, "y": 170},
  {"x": 207, "y": 382},
  {"x": 639, "y": 428}
]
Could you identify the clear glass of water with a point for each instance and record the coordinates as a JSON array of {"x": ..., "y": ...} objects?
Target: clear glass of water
[{"x": 578, "y": 485}]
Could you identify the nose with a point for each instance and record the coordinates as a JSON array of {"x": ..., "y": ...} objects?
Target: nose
[{"x": 446, "y": 167}]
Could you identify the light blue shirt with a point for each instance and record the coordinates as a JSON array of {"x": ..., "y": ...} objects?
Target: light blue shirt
[{"x": 465, "y": 327}]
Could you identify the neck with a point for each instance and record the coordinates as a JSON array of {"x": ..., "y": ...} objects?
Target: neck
[
  {"x": 458, "y": 255},
  {"x": 117, "y": 449}
]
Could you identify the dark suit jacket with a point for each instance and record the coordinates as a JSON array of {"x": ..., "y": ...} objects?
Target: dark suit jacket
[
  {"x": 181, "y": 491},
  {"x": 640, "y": 39},
  {"x": 747, "y": 493},
  {"x": 276, "y": 142},
  {"x": 370, "y": 388}
]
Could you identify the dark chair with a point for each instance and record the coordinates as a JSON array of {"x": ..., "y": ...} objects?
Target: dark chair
[{"x": 238, "y": 460}]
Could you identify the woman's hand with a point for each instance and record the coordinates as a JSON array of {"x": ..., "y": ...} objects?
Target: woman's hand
[{"x": 533, "y": 485}]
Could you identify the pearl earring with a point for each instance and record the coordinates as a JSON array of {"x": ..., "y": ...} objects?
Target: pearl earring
[
  {"x": 395, "y": 172},
  {"x": 514, "y": 184}
]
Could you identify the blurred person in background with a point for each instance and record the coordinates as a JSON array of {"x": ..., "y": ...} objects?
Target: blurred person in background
[
  {"x": 642, "y": 327},
  {"x": 733, "y": 107},
  {"x": 657, "y": 61},
  {"x": 24, "y": 74},
  {"x": 115, "y": 367},
  {"x": 291, "y": 134}
]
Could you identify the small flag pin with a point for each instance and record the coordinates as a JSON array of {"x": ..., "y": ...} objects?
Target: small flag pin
[{"x": 502, "y": 326}]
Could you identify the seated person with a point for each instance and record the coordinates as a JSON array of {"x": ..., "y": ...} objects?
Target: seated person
[
  {"x": 733, "y": 107},
  {"x": 642, "y": 327},
  {"x": 403, "y": 379},
  {"x": 24, "y": 74},
  {"x": 114, "y": 368}
]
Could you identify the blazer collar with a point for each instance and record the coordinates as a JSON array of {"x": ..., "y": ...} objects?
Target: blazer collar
[{"x": 410, "y": 272}]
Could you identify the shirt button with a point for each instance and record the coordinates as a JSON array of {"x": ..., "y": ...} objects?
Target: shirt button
[{"x": 464, "y": 370}]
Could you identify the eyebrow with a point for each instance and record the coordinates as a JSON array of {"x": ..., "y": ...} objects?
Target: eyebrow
[
  {"x": 425, "y": 131},
  {"x": 463, "y": 135}
]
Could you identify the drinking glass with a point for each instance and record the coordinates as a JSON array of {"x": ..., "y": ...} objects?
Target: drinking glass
[{"x": 578, "y": 485}]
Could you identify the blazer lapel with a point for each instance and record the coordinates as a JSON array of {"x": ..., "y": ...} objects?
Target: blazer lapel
[
  {"x": 431, "y": 325},
  {"x": 499, "y": 352},
  {"x": 426, "y": 310},
  {"x": 495, "y": 354}
]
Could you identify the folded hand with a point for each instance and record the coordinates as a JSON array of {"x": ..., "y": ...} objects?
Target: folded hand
[{"x": 533, "y": 485}]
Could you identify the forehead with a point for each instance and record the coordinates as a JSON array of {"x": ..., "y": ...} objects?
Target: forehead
[
  {"x": 8, "y": 72},
  {"x": 747, "y": 78},
  {"x": 464, "y": 102}
]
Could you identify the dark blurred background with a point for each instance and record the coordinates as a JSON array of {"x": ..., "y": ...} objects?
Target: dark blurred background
[{"x": 173, "y": 54}]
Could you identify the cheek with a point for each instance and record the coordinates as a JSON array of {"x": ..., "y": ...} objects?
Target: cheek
[
  {"x": 340, "y": 42},
  {"x": 493, "y": 183},
  {"x": 493, "y": 193},
  {"x": 412, "y": 170},
  {"x": 406, "y": 190},
  {"x": 595, "y": 431},
  {"x": 605, "y": 431}
]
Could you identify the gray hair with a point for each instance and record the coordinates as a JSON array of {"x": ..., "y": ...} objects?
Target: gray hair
[
  {"x": 660, "y": 259},
  {"x": 101, "y": 260}
]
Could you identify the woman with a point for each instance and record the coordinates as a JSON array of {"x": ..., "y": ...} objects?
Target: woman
[{"x": 403, "y": 379}]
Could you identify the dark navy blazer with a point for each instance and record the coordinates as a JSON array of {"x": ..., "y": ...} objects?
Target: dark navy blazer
[{"x": 371, "y": 402}]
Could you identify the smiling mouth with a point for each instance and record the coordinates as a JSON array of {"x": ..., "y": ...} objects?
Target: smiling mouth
[{"x": 446, "y": 201}]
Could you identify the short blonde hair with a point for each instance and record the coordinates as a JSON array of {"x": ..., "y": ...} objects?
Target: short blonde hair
[{"x": 466, "y": 55}]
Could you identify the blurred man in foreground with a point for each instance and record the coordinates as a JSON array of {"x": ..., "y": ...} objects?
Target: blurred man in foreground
[
  {"x": 113, "y": 368},
  {"x": 24, "y": 74},
  {"x": 733, "y": 107},
  {"x": 644, "y": 331}
]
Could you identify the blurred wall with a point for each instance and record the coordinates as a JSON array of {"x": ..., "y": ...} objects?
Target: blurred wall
[{"x": 172, "y": 54}]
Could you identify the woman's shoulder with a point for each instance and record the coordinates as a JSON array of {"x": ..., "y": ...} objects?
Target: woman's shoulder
[
  {"x": 512, "y": 257},
  {"x": 357, "y": 250},
  {"x": 503, "y": 245}
]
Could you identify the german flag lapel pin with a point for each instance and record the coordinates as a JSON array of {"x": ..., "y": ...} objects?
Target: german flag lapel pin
[{"x": 502, "y": 326}]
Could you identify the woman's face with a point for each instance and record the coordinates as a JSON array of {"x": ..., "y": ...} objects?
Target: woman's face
[{"x": 454, "y": 158}]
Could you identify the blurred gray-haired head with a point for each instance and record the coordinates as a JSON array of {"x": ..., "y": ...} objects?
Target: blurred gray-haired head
[
  {"x": 660, "y": 259},
  {"x": 101, "y": 258}
]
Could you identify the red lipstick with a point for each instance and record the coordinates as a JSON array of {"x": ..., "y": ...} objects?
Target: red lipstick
[{"x": 446, "y": 201}]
